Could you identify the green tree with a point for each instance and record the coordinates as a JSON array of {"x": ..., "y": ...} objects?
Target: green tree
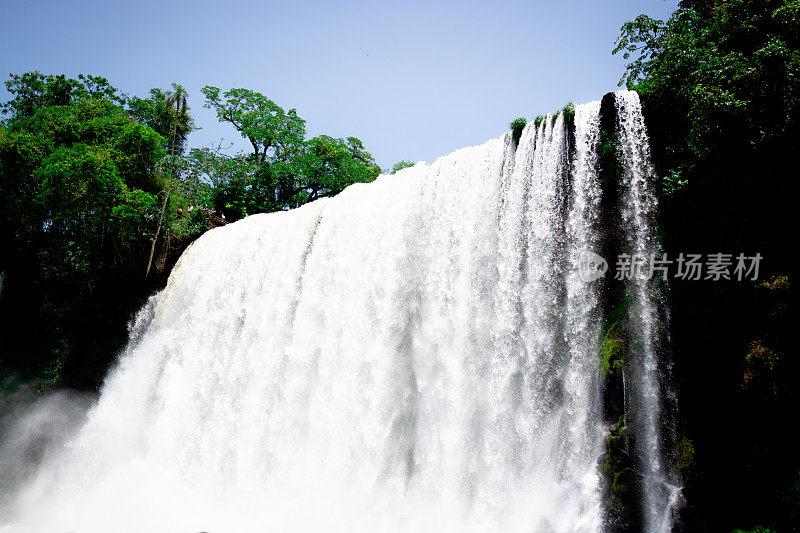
[
  {"x": 274, "y": 134},
  {"x": 231, "y": 193},
  {"x": 718, "y": 67},
  {"x": 80, "y": 178},
  {"x": 400, "y": 165},
  {"x": 327, "y": 165},
  {"x": 178, "y": 124},
  {"x": 34, "y": 90},
  {"x": 283, "y": 170},
  {"x": 159, "y": 111}
]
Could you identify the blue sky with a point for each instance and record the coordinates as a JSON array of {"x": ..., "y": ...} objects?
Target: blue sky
[{"x": 413, "y": 80}]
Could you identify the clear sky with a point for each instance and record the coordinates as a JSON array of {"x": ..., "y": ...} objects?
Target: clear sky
[{"x": 413, "y": 80}]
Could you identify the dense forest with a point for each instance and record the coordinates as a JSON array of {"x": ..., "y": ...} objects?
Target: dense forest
[{"x": 100, "y": 194}]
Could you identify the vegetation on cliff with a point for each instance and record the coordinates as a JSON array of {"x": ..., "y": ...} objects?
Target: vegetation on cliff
[
  {"x": 98, "y": 198},
  {"x": 720, "y": 82}
]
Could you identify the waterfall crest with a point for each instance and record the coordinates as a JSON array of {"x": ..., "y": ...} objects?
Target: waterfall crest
[{"x": 415, "y": 354}]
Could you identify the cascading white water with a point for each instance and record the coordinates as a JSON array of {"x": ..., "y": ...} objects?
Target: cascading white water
[
  {"x": 582, "y": 313},
  {"x": 415, "y": 354},
  {"x": 645, "y": 295}
]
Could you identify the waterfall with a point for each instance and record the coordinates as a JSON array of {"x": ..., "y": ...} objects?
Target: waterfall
[
  {"x": 414, "y": 354},
  {"x": 646, "y": 326}
]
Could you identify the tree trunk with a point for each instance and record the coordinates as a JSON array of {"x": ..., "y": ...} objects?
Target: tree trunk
[
  {"x": 158, "y": 230},
  {"x": 172, "y": 151}
]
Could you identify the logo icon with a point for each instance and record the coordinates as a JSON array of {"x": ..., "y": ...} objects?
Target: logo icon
[{"x": 591, "y": 266}]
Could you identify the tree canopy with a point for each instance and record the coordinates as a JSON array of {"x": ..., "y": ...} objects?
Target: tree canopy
[
  {"x": 274, "y": 134},
  {"x": 98, "y": 197},
  {"x": 719, "y": 66},
  {"x": 283, "y": 170},
  {"x": 400, "y": 165},
  {"x": 78, "y": 184}
]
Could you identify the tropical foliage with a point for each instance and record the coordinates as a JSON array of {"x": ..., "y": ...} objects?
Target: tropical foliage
[
  {"x": 720, "y": 81},
  {"x": 98, "y": 198},
  {"x": 400, "y": 165},
  {"x": 283, "y": 170}
]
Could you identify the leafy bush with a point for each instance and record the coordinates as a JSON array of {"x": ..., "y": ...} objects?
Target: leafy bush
[
  {"x": 400, "y": 165},
  {"x": 517, "y": 125}
]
